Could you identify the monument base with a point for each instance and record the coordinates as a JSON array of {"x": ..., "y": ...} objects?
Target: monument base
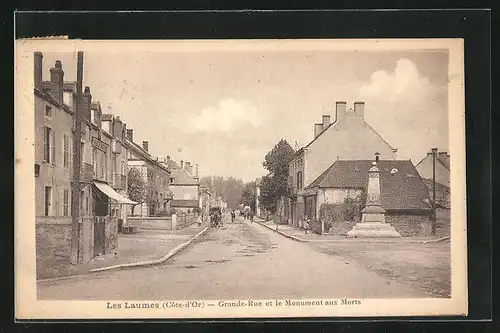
[{"x": 373, "y": 230}]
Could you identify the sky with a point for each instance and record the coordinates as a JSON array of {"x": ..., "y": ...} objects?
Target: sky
[{"x": 224, "y": 110}]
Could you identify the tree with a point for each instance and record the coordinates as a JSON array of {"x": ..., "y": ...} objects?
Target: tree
[
  {"x": 275, "y": 184},
  {"x": 135, "y": 187},
  {"x": 230, "y": 189},
  {"x": 249, "y": 195}
]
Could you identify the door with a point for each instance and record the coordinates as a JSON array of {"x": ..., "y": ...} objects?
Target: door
[{"x": 99, "y": 236}]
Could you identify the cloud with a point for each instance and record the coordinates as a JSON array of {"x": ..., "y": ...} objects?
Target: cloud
[
  {"x": 227, "y": 116},
  {"x": 408, "y": 109}
]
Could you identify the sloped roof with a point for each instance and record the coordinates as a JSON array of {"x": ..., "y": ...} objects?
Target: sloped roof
[
  {"x": 403, "y": 189},
  {"x": 184, "y": 203},
  {"x": 182, "y": 177},
  {"x": 444, "y": 159},
  {"x": 439, "y": 186}
]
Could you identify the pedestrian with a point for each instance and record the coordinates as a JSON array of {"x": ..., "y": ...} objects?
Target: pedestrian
[
  {"x": 233, "y": 216},
  {"x": 198, "y": 219},
  {"x": 306, "y": 225}
]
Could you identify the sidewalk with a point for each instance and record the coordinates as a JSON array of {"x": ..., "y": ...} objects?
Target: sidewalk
[
  {"x": 145, "y": 245},
  {"x": 300, "y": 235}
]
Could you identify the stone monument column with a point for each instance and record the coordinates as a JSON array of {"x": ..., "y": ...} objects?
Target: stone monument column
[{"x": 373, "y": 215}]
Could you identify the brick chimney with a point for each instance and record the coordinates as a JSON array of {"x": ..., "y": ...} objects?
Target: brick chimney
[
  {"x": 340, "y": 110},
  {"x": 318, "y": 128},
  {"x": 326, "y": 121},
  {"x": 377, "y": 157},
  {"x": 359, "y": 110},
  {"x": 394, "y": 153},
  {"x": 130, "y": 134},
  {"x": 145, "y": 145},
  {"x": 38, "y": 69},
  {"x": 182, "y": 165},
  {"x": 86, "y": 103},
  {"x": 57, "y": 81},
  {"x": 196, "y": 172}
]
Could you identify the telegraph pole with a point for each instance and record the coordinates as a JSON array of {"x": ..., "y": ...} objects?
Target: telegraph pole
[
  {"x": 434, "y": 151},
  {"x": 77, "y": 162}
]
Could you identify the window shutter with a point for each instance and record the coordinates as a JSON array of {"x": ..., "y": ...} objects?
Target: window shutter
[{"x": 53, "y": 147}]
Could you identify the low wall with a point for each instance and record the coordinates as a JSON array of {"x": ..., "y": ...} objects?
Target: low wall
[
  {"x": 53, "y": 241},
  {"x": 155, "y": 223},
  {"x": 410, "y": 225}
]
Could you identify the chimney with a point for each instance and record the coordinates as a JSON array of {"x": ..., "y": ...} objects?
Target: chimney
[
  {"x": 182, "y": 165},
  {"x": 168, "y": 159},
  {"x": 38, "y": 69},
  {"x": 145, "y": 145},
  {"x": 377, "y": 157},
  {"x": 130, "y": 134},
  {"x": 196, "y": 172},
  {"x": 86, "y": 103},
  {"x": 340, "y": 110},
  {"x": 394, "y": 153},
  {"x": 318, "y": 128},
  {"x": 326, "y": 121},
  {"x": 443, "y": 153},
  {"x": 359, "y": 109},
  {"x": 57, "y": 81},
  {"x": 188, "y": 167}
]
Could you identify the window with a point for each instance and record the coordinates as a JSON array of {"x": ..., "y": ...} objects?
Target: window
[
  {"x": 83, "y": 204},
  {"x": 171, "y": 180},
  {"x": 49, "y": 149},
  {"x": 66, "y": 154},
  {"x": 82, "y": 152},
  {"x": 48, "y": 200},
  {"x": 66, "y": 203},
  {"x": 48, "y": 111},
  {"x": 94, "y": 160},
  {"x": 299, "y": 180}
]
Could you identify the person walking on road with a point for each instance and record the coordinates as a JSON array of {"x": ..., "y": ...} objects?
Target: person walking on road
[
  {"x": 306, "y": 225},
  {"x": 233, "y": 216}
]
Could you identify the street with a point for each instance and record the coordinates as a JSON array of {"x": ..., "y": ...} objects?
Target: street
[{"x": 240, "y": 260}]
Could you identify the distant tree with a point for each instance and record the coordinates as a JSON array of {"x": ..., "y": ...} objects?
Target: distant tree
[
  {"x": 229, "y": 189},
  {"x": 135, "y": 186},
  {"x": 249, "y": 195},
  {"x": 275, "y": 184}
]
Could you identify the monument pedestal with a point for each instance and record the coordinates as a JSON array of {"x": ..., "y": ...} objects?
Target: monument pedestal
[{"x": 373, "y": 224}]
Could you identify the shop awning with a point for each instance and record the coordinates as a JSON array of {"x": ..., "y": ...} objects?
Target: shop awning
[{"x": 112, "y": 194}]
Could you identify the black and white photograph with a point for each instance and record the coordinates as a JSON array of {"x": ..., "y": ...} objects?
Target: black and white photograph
[{"x": 240, "y": 178}]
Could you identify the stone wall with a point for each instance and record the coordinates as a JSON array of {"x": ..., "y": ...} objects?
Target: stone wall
[
  {"x": 410, "y": 225},
  {"x": 111, "y": 232},
  {"x": 339, "y": 228},
  {"x": 53, "y": 241}
]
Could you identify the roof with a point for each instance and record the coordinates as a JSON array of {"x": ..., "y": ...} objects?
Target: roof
[
  {"x": 184, "y": 203},
  {"x": 444, "y": 158},
  {"x": 182, "y": 177},
  {"x": 403, "y": 189},
  {"x": 439, "y": 186}
]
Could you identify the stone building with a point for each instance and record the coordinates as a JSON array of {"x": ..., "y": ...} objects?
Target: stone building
[
  {"x": 442, "y": 168},
  {"x": 185, "y": 185},
  {"x": 55, "y": 109},
  {"x": 348, "y": 137},
  {"x": 403, "y": 193},
  {"x": 155, "y": 174}
]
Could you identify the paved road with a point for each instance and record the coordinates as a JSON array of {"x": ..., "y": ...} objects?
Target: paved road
[{"x": 241, "y": 260}]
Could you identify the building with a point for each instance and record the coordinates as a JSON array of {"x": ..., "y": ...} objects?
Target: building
[
  {"x": 403, "y": 194},
  {"x": 442, "y": 176},
  {"x": 258, "y": 209},
  {"x": 205, "y": 199},
  {"x": 349, "y": 137},
  {"x": 156, "y": 176},
  {"x": 185, "y": 185},
  {"x": 55, "y": 110}
]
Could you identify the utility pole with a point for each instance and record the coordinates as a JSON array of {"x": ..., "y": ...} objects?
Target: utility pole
[
  {"x": 434, "y": 151},
  {"x": 77, "y": 162}
]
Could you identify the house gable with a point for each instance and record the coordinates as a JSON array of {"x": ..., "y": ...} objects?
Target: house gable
[
  {"x": 424, "y": 168},
  {"x": 349, "y": 138}
]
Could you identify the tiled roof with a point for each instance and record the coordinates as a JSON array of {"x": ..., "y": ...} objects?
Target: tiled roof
[
  {"x": 184, "y": 203},
  {"x": 439, "y": 186},
  {"x": 403, "y": 189}
]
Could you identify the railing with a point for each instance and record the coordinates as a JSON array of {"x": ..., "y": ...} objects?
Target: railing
[
  {"x": 86, "y": 172},
  {"x": 119, "y": 181}
]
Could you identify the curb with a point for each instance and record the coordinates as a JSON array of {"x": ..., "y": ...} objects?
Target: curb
[
  {"x": 298, "y": 239},
  {"x": 282, "y": 233},
  {"x": 170, "y": 254}
]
